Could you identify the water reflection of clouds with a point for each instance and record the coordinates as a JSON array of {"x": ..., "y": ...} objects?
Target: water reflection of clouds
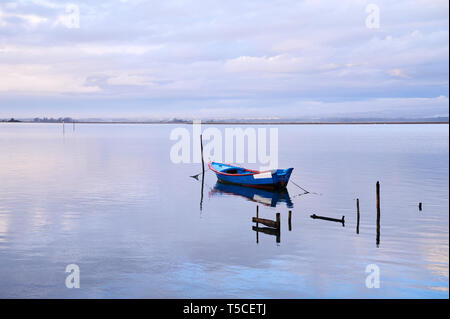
[
  {"x": 4, "y": 226},
  {"x": 117, "y": 199}
]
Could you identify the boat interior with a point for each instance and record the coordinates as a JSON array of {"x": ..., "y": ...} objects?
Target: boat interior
[{"x": 235, "y": 170}]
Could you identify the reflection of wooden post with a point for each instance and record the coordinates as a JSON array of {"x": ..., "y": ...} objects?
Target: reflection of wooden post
[
  {"x": 269, "y": 231},
  {"x": 201, "y": 195},
  {"x": 201, "y": 149},
  {"x": 378, "y": 213},
  {"x": 289, "y": 220},
  {"x": 73, "y": 123},
  {"x": 357, "y": 215}
]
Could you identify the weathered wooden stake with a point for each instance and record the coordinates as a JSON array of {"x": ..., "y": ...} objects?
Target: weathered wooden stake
[
  {"x": 257, "y": 225},
  {"x": 278, "y": 239},
  {"x": 203, "y": 171},
  {"x": 289, "y": 220},
  {"x": 201, "y": 149},
  {"x": 378, "y": 213},
  {"x": 266, "y": 222},
  {"x": 378, "y": 198},
  {"x": 272, "y": 229},
  {"x": 357, "y": 215},
  {"x": 420, "y": 206},
  {"x": 342, "y": 220},
  {"x": 278, "y": 220}
]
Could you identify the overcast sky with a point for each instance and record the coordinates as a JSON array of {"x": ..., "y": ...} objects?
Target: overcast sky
[{"x": 203, "y": 59}]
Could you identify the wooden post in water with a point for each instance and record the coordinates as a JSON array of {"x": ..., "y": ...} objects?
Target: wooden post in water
[
  {"x": 203, "y": 171},
  {"x": 201, "y": 149},
  {"x": 257, "y": 224},
  {"x": 272, "y": 229},
  {"x": 278, "y": 220},
  {"x": 357, "y": 215},
  {"x": 64, "y": 129},
  {"x": 289, "y": 220},
  {"x": 278, "y": 239},
  {"x": 342, "y": 220},
  {"x": 378, "y": 213},
  {"x": 420, "y": 206},
  {"x": 266, "y": 222}
]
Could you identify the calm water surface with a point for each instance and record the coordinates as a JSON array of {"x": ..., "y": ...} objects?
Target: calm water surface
[{"x": 108, "y": 198}]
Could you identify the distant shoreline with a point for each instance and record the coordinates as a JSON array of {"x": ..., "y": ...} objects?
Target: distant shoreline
[{"x": 240, "y": 123}]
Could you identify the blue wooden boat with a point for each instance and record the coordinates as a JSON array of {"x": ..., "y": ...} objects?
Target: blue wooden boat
[
  {"x": 265, "y": 197},
  {"x": 272, "y": 179}
]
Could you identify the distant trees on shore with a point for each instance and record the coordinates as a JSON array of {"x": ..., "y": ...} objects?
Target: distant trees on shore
[
  {"x": 11, "y": 120},
  {"x": 52, "y": 120},
  {"x": 41, "y": 120}
]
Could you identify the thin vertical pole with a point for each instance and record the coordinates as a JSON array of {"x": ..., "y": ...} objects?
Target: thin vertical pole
[
  {"x": 278, "y": 240},
  {"x": 378, "y": 213},
  {"x": 357, "y": 215},
  {"x": 201, "y": 149},
  {"x": 203, "y": 170},
  {"x": 257, "y": 224},
  {"x": 289, "y": 220}
]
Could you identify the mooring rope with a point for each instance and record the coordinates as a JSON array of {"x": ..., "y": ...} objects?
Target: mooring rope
[
  {"x": 304, "y": 190},
  {"x": 197, "y": 175}
]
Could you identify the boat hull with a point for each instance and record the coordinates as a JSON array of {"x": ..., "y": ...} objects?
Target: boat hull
[
  {"x": 268, "y": 185},
  {"x": 274, "y": 179}
]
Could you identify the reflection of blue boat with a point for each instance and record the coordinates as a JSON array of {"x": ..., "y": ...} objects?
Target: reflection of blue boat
[
  {"x": 273, "y": 179},
  {"x": 263, "y": 196}
]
